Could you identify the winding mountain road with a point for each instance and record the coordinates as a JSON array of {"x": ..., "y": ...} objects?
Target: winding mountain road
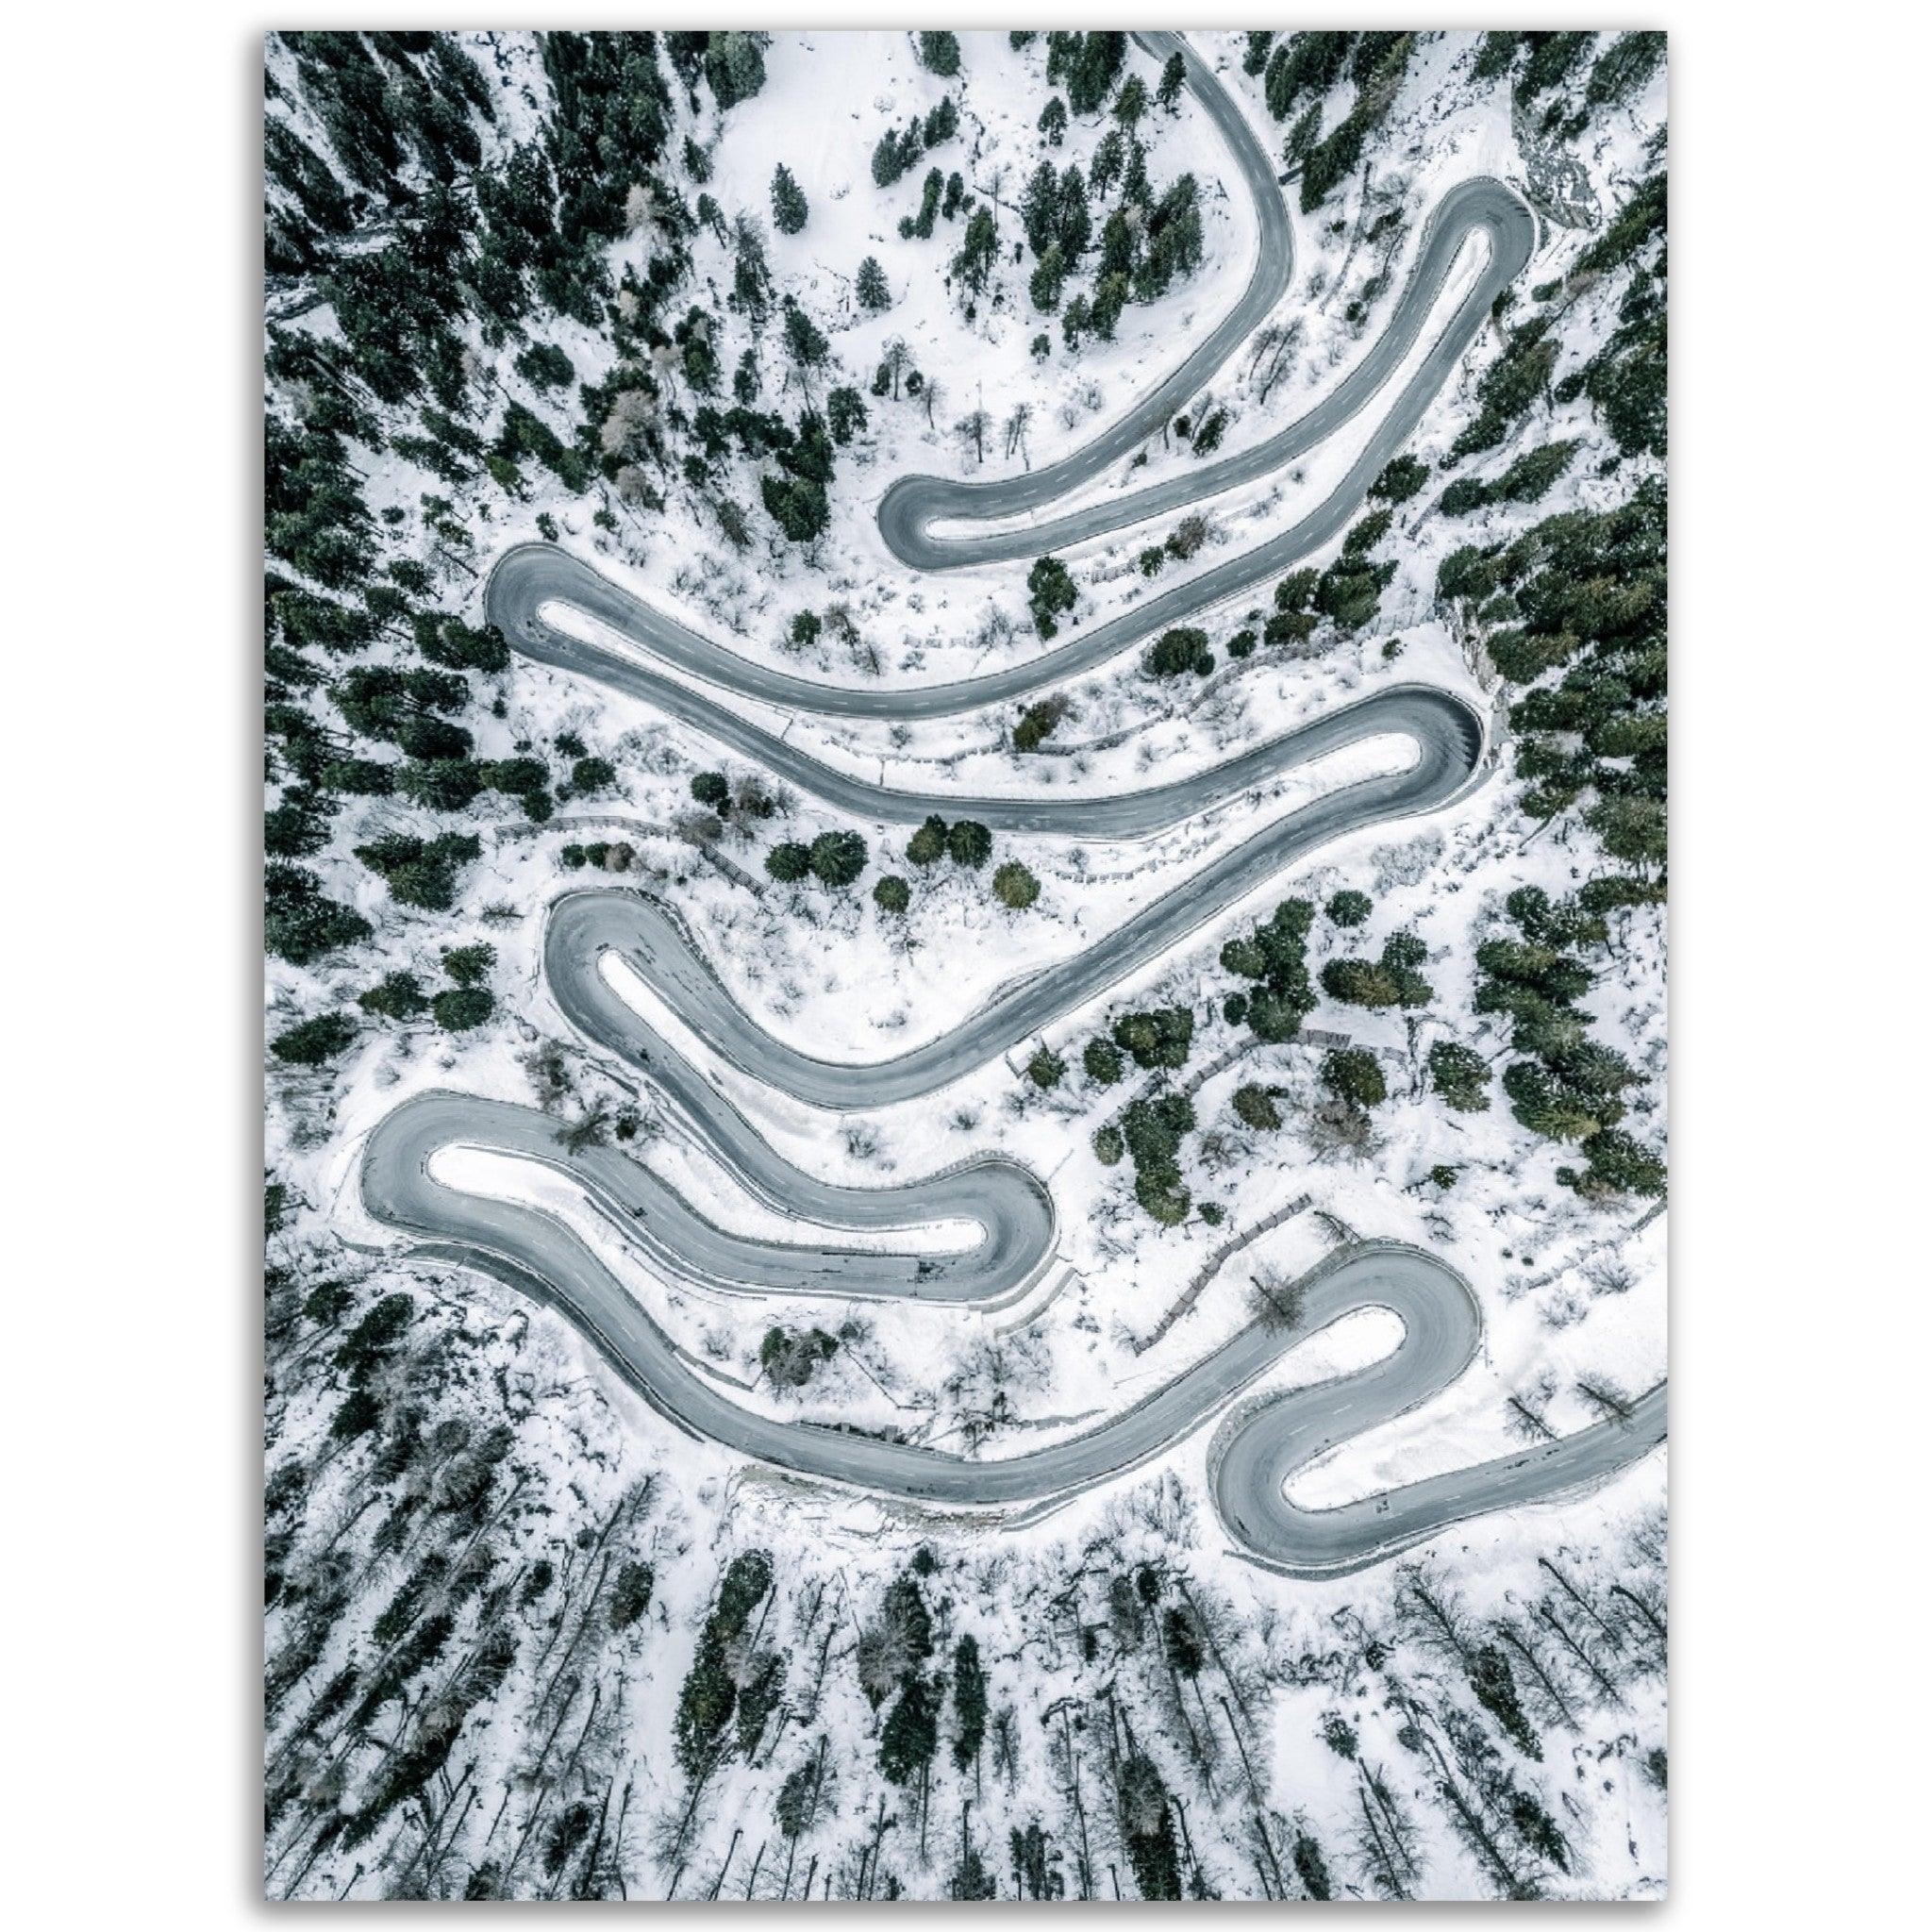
[{"x": 594, "y": 936}]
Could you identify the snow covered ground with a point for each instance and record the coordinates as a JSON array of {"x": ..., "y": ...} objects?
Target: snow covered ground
[{"x": 1572, "y": 1292}]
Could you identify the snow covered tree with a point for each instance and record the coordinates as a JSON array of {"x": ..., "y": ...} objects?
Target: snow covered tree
[
  {"x": 874, "y": 293},
  {"x": 968, "y": 843},
  {"x": 1354, "y": 1075},
  {"x": 1460, "y": 1075},
  {"x": 838, "y": 858},
  {"x": 1048, "y": 279},
  {"x": 1050, "y": 595},
  {"x": 1173, "y": 76},
  {"x": 790, "y": 209},
  {"x": 940, "y": 53},
  {"x": 314, "y": 1043},
  {"x": 1014, "y": 886},
  {"x": 973, "y": 263}
]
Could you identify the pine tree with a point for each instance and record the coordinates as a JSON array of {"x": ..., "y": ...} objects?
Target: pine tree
[
  {"x": 1173, "y": 76},
  {"x": 874, "y": 293},
  {"x": 314, "y": 1043},
  {"x": 940, "y": 53},
  {"x": 790, "y": 209}
]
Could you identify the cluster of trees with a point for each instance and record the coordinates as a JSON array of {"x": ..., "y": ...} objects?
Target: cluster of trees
[
  {"x": 400, "y": 114},
  {"x": 606, "y": 855},
  {"x": 750, "y": 798},
  {"x": 1182, "y": 544},
  {"x": 1394, "y": 979},
  {"x": 1403, "y": 478},
  {"x": 399, "y": 1631},
  {"x": 965, "y": 842},
  {"x": 895, "y": 1656},
  {"x": 1506, "y": 388},
  {"x": 1275, "y": 960},
  {"x": 1151, "y": 1131},
  {"x": 1550, "y": 63},
  {"x": 899, "y": 148},
  {"x": 1528, "y": 480},
  {"x": 1584, "y": 594},
  {"x": 1574, "y": 1645},
  {"x": 1303, "y": 68},
  {"x": 1348, "y": 592},
  {"x": 419, "y": 872},
  {"x": 1564, "y": 1086},
  {"x": 1624, "y": 68},
  {"x": 414, "y": 240},
  {"x": 1152, "y": 1127},
  {"x": 731, "y": 64},
  {"x": 1627, "y": 377},
  {"x": 464, "y": 1003},
  {"x": 1575, "y": 610},
  {"x": 833, "y": 859},
  {"x": 1147, "y": 242},
  {"x": 718, "y": 1688}
]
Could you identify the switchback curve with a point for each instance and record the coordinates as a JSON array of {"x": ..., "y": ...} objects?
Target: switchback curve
[{"x": 1259, "y": 1449}]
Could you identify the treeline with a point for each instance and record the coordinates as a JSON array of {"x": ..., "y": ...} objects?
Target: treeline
[{"x": 1576, "y": 609}]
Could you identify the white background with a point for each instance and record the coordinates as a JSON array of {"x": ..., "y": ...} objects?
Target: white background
[{"x": 132, "y": 1057}]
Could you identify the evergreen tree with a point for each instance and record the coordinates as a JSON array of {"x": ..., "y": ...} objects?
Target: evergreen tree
[
  {"x": 1354, "y": 1075},
  {"x": 969, "y": 1703},
  {"x": 1173, "y": 76},
  {"x": 468, "y": 965},
  {"x": 1014, "y": 886},
  {"x": 939, "y": 51},
  {"x": 874, "y": 293},
  {"x": 1048, "y": 279},
  {"x": 1050, "y": 595},
  {"x": 968, "y": 843},
  {"x": 462, "y": 1008},
  {"x": 1460, "y": 1075},
  {"x": 314, "y": 1043},
  {"x": 837, "y": 858},
  {"x": 790, "y": 209},
  {"x": 974, "y": 262},
  {"x": 397, "y": 996},
  {"x": 1103, "y": 1063},
  {"x": 1046, "y": 1068},
  {"x": 928, "y": 845},
  {"x": 789, "y": 862}
]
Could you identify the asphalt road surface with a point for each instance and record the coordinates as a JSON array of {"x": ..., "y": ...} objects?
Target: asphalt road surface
[{"x": 1259, "y": 1445}]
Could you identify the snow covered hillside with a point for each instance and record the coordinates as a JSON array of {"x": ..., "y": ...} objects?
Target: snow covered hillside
[{"x": 965, "y": 756}]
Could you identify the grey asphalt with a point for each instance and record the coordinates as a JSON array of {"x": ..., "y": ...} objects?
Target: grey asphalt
[
  {"x": 1257, "y": 1448},
  {"x": 640, "y": 927},
  {"x": 1012, "y": 1209}
]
